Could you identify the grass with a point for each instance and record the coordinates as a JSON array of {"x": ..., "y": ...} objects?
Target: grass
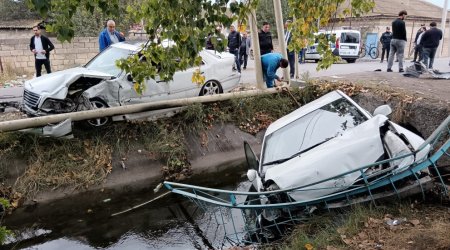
[{"x": 10, "y": 73}]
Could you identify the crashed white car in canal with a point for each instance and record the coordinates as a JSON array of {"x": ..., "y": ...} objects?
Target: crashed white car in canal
[
  {"x": 100, "y": 84},
  {"x": 328, "y": 137}
]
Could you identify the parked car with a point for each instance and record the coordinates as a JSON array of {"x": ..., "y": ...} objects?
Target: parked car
[
  {"x": 346, "y": 45},
  {"x": 100, "y": 84},
  {"x": 326, "y": 138}
]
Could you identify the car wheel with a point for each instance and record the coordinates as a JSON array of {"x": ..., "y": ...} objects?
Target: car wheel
[
  {"x": 211, "y": 88},
  {"x": 98, "y": 104},
  {"x": 316, "y": 61},
  {"x": 350, "y": 60}
]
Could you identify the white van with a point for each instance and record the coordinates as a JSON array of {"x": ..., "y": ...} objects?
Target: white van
[{"x": 347, "y": 44}]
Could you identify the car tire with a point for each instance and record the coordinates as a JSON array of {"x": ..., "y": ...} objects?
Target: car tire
[
  {"x": 211, "y": 88},
  {"x": 316, "y": 61},
  {"x": 350, "y": 60},
  {"x": 98, "y": 103}
]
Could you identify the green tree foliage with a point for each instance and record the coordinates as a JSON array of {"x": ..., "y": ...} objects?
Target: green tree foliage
[
  {"x": 14, "y": 10},
  {"x": 264, "y": 13},
  {"x": 188, "y": 23},
  {"x": 309, "y": 15}
]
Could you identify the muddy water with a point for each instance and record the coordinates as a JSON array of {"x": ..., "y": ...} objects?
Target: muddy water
[{"x": 168, "y": 223}]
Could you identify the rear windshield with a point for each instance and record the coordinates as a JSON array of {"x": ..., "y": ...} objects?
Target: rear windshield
[{"x": 347, "y": 37}]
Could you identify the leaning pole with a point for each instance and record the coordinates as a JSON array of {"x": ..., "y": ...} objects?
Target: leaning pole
[{"x": 15, "y": 125}]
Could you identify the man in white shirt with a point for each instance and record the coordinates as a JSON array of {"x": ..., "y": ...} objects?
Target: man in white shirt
[{"x": 41, "y": 46}]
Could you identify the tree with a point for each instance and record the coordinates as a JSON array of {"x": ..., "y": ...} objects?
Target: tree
[
  {"x": 264, "y": 13},
  {"x": 309, "y": 15},
  {"x": 188, "y": 23},
  {"x": 15, "y": 9}
]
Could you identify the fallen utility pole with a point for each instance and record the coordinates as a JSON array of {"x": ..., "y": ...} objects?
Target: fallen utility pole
[{"x": 41, "y": 121}]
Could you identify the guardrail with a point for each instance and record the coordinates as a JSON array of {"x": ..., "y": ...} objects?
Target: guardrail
[{"x": 260, "y": 216}]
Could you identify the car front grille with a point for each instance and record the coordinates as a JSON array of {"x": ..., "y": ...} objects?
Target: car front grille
[{"x": 30, "y": 99}]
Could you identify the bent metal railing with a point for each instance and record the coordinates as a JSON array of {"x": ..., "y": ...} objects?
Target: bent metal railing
[{"x": 257, "y": 217}]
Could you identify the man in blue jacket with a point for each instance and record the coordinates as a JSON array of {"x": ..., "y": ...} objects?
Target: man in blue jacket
[
  {"x": 270, "y": 64},
  {"x": 110, "y": 36}
]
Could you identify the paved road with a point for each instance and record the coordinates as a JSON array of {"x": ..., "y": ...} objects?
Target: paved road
[{"x": 248, "y": 75}]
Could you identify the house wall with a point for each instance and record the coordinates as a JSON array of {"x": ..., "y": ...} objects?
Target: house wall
[
  {"x": 15, "y": 33},
  {"x": 16, "y": 53}
]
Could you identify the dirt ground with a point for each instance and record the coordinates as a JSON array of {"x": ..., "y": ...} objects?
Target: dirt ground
[
  {"x": 422, "y": 227},
  {"x": 424, "y": 86}
]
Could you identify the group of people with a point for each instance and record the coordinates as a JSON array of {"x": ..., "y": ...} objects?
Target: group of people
[
  {"x": 41, "y": 46},
  {"x": 240, "y": 45},
  {"x": 426, "y": 43}
]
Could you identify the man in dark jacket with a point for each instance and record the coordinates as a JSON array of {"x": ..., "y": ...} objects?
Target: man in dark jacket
[
  {"x": 290, "y": 53},
  {"x": 398, "y": 41},
  {"x": 234, "y": 42},
  {"x": 385, "y": 40},
  {"x": 417, "y": 47},
  {"x": 41, "y": 46},
  {"x": 265, "y": 39},
  {"x": 430, "y": 43},
  {"x": 244, "y": 50}
]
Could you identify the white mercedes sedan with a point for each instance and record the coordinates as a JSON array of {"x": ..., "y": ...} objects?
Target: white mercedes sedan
[{"x": 101, "y": 84}]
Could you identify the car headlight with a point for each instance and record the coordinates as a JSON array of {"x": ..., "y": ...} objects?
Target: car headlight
[{"x": 55, "y": 105}]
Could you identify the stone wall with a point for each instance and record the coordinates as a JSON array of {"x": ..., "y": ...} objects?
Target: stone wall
[{"x": 16, "y": 53}]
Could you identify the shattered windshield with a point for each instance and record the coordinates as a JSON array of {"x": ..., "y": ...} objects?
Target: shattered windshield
[
  {"x": 311, "y": 130},
  {"x": 106, "y": 61}
]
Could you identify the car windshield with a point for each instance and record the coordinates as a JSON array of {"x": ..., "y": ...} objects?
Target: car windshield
[
  {"x": 309, "y": 131},
  {"x": 106, "y": 61},
  {"x": 348, "y": 37}
]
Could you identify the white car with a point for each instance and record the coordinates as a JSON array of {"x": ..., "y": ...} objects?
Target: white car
[
  {"x": 100, "y": 83},
  {"x": 326, "y": 138}
]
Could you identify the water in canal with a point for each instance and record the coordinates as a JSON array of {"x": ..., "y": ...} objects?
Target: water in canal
[{"x": 168, "y": 223}]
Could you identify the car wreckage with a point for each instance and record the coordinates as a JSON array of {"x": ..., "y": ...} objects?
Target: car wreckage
[
  {"x": 100, "y": 84},
  {"x": 328, "y": 153}
]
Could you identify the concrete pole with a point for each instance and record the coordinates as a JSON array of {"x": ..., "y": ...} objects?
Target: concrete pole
[
  {"x": 128, "y": 109},
  {"x": 443, "y": 22},
  {"x": 256, "y": 51},
  {"x": 280, "y": 33}
]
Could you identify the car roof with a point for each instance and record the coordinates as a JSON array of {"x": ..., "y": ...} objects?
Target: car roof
[{"x": 304, "y": 110}]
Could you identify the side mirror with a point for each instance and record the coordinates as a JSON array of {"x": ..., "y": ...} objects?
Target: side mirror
[
  {"x": 129, "y": 77},
  {"x": 251, "y": 175},
  {"x": 252, "y": 160},
  {"x": 383, "y": 110}
]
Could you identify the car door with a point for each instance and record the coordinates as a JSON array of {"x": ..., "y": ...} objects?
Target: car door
[
  {"x": 154, "y": 90},
  {"x": 182, "y": 86}
]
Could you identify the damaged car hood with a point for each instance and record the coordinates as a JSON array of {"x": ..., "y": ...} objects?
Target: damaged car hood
[
  {"x": 53, "y": 82},
  {"x": 355, "y": 148}
]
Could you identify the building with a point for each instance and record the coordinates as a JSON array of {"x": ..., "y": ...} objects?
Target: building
[{"x": 374, "y": 23}]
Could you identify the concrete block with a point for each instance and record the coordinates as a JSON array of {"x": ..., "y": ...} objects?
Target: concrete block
[
  {"x": 17, "y": 52},
  {"x": 5, "y": 53},
  {"x": 81, "y": 56},
  {"x": 80, "y": 61},
  {"x": 58, "y": 45}
]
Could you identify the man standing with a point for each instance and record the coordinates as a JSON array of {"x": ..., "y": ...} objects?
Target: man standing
[
  {"x": 109, "y": 35},
  {"x": 385, "y": 40},
  {"x": 430, "y": 42},
  {"x": 270, "y": 64},
  {"x": 290, "y": 53},
  {"x": 41, "y": 46},
  {"x": 398, "y": 41},
  {"x": 234, "y": 42},
  {"x": 265, "y": 39},
  {"x": 244, "y": 50},
  {"x": 417, "y": 48}
]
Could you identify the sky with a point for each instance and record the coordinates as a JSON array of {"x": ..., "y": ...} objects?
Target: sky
[{"x": 438, "y": 2}]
